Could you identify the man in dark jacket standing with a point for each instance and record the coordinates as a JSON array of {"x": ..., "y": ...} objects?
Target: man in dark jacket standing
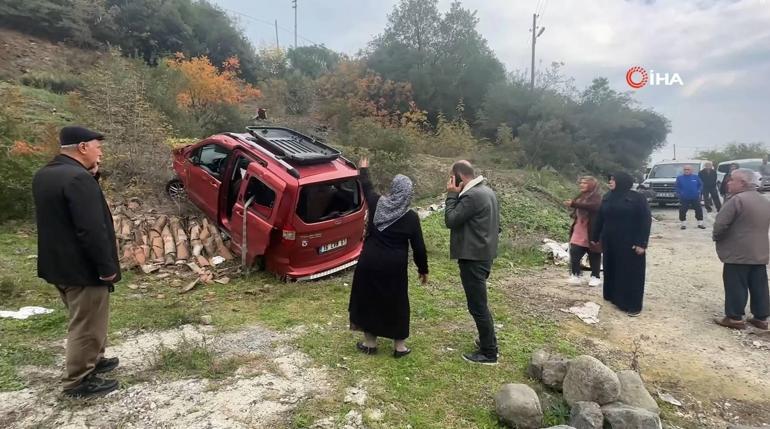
[
  {"x": 688, "y": 189},
  {"x": 740, "y": 233},
  {"x": 708, "y": 176},
  {"x": 473, "y": 216},
  {"x": 78, "y": 255}
]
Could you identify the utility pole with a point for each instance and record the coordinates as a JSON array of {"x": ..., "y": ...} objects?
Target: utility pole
[
  {"x": 294, "y": 5},
  {"x": 277, "y": 46},
  {"x": 674, "y": 151},
  {"x": 535, "y": 35}
]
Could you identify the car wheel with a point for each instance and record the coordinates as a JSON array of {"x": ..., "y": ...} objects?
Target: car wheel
[{"x": 175, "y": 189}]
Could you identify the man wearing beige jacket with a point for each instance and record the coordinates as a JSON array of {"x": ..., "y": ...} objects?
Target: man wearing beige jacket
[{"x": 741, "y": 236}]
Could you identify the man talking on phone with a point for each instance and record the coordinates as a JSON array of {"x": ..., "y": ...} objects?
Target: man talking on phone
[{"x": 473, "y": 216}]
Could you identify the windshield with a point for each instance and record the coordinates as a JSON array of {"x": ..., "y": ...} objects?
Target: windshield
[
  {"x": 325, "y": 201},
  {"x": 661, "y": 171}
]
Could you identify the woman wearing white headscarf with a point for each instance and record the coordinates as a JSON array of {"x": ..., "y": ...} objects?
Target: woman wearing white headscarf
[{"x": 379, "y": 298}]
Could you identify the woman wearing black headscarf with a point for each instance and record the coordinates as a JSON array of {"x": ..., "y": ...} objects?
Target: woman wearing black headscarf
[
  {"x": 379, "y": 298},
  {"x": 623, "y": 226}
]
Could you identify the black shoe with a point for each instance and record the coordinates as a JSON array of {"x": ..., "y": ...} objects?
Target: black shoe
[
  {"x": 702, "y": 226},
  {"x": 364, "y": 349},
  {"x": 398, "y": 354},
  {"x": 106, "y": 365},
  {"x": 708, "y": 209},
  {"x": 481, "y": 358},
  {"x": 92, "y": 386},
  {"x": 683, "y": 227}
]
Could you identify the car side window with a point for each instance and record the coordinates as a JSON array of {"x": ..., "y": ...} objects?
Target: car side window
[
  {"x": 724, "y": 168},
  {"x": 212, "y": 158},
  {"x": 264, "y": 197}
]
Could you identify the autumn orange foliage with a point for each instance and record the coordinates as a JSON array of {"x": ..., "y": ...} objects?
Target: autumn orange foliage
[
  {"x": 206, "y": 86},
  {"x": 22, "y": 148}
]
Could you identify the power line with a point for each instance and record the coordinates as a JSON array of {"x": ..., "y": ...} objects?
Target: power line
[{"x": 271, "y": 24}]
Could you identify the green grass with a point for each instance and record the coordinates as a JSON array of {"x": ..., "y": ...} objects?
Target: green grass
[
  {"x": 194, "y": 359},
  {"x": 41, "y": 107},
  {"x": 431, "y": 388}
]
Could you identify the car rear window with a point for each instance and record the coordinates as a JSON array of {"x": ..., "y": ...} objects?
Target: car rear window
[{"x": 324, "y": 201}]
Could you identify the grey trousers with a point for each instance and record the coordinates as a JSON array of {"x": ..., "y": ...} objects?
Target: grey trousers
[{"x": 473, "y": 275}]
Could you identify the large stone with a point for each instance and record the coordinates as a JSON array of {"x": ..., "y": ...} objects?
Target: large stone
[
  {"x": 535, "y": 368},
  {"x": 622, "y": 416},
  {"x": 633, "y": 392},
  {"x": 553, "y": 372},
  {"x": 589, "y": 380},
  {"x": 518, "y": 406},
  {"x": 586, "y": 415}
]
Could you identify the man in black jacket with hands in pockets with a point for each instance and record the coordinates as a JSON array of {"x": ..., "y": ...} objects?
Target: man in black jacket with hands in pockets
[{"x": 77, "y": 254}]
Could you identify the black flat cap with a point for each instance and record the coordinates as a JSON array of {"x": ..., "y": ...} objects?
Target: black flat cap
[{"x": 75, "y": 135}]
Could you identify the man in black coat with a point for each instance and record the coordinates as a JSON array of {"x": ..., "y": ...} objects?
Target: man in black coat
[
  {"x": 709, "y": 178},
  {"x": 77, "y": 254}
]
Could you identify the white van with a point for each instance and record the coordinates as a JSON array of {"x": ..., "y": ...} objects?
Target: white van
[
  {"x": 750, "y": 163},
  {"x": 659, "y": 185}
]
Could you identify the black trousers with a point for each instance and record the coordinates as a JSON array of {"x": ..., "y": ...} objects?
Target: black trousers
[
  {"x": 742, "y": 281},
  {"x": 685, "y": 205},
  {"x": 474, "y": 275},
  {"x": 709, "y": 195},
  {"x": 576, "y": 254}
]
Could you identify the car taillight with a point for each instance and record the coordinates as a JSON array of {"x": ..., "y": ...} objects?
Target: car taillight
[{"x": 289, "y": 234}]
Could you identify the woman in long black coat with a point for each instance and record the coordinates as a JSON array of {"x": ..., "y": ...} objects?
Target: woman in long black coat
[
  {"x": 623, "y": 226},
  {"x": 379, "y": 297}
]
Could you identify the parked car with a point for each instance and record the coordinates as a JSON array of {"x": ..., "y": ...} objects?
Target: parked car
[
  {"x": 659, "y": 185},
  {"x": 294, "y": 204},
  {"x": 752, "y": 164}
]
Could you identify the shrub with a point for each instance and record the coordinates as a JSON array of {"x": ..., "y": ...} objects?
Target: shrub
[{"x": 59, "y": 84}]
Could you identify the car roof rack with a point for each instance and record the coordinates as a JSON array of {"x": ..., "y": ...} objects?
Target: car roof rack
[{"x": 291, "y": 146}]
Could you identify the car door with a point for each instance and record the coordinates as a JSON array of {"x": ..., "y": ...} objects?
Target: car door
[
  {"x": 204, "y": 177},
  {"x": 262, "y": 191}
]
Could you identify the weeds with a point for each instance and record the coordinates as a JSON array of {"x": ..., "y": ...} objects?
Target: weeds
[{"x": 194, "y": 359}]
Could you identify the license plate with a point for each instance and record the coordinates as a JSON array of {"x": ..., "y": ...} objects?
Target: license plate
[
  {"x": 666, "y": 194},
  {"x": 331, "y": 246}
]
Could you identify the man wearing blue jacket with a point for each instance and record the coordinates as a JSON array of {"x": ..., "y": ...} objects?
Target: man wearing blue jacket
[{"x": 688, "y": 189}]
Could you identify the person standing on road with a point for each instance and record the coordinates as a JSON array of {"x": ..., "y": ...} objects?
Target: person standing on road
[
  {"x": 688, "y": 190},
  {"x": 473, "y": 216},
  {"x": 708, "y": 176},
  {"x": 77, "y": 253},
  {"x": 584, "y": 210},
  {"x": 740, "y": 233},
  {"x": 623, "y": 228},
  {"x": 379, "y": 297},
  {"x": 726, "y": 180}
]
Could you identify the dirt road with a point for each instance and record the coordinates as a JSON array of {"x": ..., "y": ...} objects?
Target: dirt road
[{"x": 720, "y": 374}]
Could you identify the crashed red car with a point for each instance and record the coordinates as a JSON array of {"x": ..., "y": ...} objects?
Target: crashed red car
[{"x": 295, "y": 204}]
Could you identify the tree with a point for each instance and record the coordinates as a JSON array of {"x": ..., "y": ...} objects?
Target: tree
[
  {"x": 312, "y": 61},
  {"x": 734, "y": 150},
  {"x": 444, "y": 57}
]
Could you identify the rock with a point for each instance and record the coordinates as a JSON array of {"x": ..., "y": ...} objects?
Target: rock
[
  {"x": 632, "y": 392},
  {"x": 355, "y": 396},
  {"x": 586, "y": 415},
  {"x": 374, "y": 414},
  {"x": 553, "y": 372},
  {"x": 206, "y": 319},
  {"x": 518, "y": 406},
  {"x": 622, "y": 416},
  {"x": 589, "y": 380},
  {"x": 560, "y": 427},
  {"x": 353, "y": 420},
  {"x": 535, "y": 368}
]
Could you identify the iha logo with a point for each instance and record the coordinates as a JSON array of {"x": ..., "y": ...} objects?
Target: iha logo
[{"x": 637, "y": 77}]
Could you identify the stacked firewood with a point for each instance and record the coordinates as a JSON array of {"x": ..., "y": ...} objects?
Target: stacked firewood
[{"x": 149, "y": 241}]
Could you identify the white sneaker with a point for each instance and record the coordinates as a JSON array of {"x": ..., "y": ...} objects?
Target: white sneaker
[
  {"x": 595, "y": 281},
  {"x": 574, "y": 280}
]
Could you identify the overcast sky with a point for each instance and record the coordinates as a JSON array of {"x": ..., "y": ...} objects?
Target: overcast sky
[{"x": 719, "y": 48}]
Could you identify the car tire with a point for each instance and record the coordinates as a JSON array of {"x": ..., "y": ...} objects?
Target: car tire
[{"x": 175, "y": 189}]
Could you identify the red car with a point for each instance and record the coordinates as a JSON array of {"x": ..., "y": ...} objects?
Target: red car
[{"x": 296, "y": 203}]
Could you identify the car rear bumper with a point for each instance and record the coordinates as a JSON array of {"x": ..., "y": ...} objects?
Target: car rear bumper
[{"x": 317, "y": 271}]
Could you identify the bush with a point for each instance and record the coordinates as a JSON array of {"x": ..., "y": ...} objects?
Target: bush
[{"x": 59, "y": 84}]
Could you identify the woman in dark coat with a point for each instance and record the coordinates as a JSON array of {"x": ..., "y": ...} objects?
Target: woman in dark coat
[
  {"x": 379, "y": 298},
  {"x": 585, "y": 209},
  {"x": 623, "y": 226}
]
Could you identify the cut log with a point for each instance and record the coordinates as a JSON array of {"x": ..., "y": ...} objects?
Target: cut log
[
  {"x": 139, "y": 254},
  {"x": 182, "y": 247},
  {"x": 156, "y": 252},
  {"x": 160, "y": 223},
  {"x": 207, "y": 237},
  {"x": 195, "y": 240},
  {"x": 221, "y": 249},
  {"x": 169, "y": 247}
]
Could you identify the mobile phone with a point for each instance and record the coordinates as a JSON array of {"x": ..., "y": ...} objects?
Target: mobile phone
[{"x": 458, "y": 180}]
